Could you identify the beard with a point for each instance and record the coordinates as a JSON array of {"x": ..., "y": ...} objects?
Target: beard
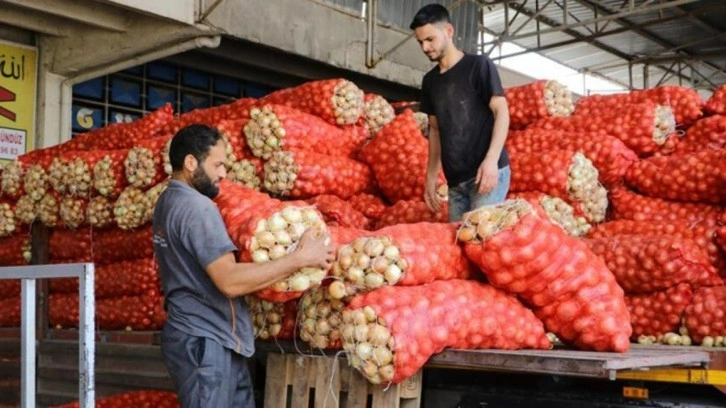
[
  {"x": 438, "y": 55},
  {"x": 202, "y": 183}
]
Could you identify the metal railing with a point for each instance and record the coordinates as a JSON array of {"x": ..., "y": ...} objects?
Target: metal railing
[{"x": 86, "y": 345}]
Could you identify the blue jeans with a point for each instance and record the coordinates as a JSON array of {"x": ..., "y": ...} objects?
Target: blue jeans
[{"x": 465, "y": 196}]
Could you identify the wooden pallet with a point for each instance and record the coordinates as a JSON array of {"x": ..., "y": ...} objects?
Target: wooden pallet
[{"x": 299, "y": 381}]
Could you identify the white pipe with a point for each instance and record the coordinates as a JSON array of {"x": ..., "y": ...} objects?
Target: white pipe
[{"x": 157, "y": 53}]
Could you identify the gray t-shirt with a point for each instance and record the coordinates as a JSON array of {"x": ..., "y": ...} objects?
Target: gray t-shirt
[{"x": 189, "y": 234}]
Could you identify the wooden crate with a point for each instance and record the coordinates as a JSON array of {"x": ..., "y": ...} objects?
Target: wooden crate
[{"x": 299, "y": 380}]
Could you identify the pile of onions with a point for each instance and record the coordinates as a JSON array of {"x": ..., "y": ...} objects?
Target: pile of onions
[
  {"x": 109, "y": 175},
  {"x": 378, "y": 112},
  {"x": 36, "y": 181},
  {"x": 100, "y": 212},
  {"x": 584, "y": 187},
  {"x": 482, "y": 224},
  {"x": 80, "y": 177},
  {"x": 244, "y": 172},
  {"x": 73, "y": 211},
  {"x": 558, "y": 211},
  {"x": 152, "y": 196},
  {"x": 370, "y": 262},
  {"x": 144, "y": 164},
  {"x": 278, "y": 236},
  {"x": 266, "y": 317},
  {"x": 131, "y": 208},
  {"x": 26, "y": 210},
  {"x": 369, "y": 344},
  {"x": 7, "y": 219},
  {"x": 558, "y": 99},
  {"x": 423, "y": 122},
  {"x": 320, "y": 319},
  {"x": 58, "y": 175},
  {"x": 49, "y": 210},
  {"x": 12, "y": 179}
]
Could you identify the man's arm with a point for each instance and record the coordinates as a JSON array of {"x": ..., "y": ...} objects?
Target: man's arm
[
  {"x": 500, "y": 109},
  {"x": 235, "y": 279},
  {"x": 488, "y": 174},
  {"x": 434, "y": 166}
]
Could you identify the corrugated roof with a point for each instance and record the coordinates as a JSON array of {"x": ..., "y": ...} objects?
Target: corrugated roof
[
  {"x": 675, "y": 39},
  {"x": 678, "y": 40}
]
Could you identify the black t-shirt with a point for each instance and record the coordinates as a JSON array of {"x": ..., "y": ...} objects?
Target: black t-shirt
[{"x": 459, "y": 98}]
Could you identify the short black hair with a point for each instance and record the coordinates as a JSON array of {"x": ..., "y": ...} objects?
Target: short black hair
[
  {"x": 195, "y": 140},
  {"x": 430, "y": 14}
]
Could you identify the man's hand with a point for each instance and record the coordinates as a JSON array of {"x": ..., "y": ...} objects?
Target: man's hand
[
  {"x": 431, "y": 198},
  {"x": 487, "y": 176},
  {"x": 315, "y": 249}
]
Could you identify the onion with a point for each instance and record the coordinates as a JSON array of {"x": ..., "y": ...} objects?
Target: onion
[
  {"x": 299, "y": 283},
  {"x": 393, "y": 274},
  {"x": 337, "y": 290}
]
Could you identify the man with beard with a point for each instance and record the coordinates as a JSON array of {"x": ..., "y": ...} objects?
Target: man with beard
[
  {"x": 468, "y": 119},
  {"x": 208, "y": 337}
]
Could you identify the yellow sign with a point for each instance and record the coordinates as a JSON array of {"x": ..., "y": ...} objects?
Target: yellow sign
[{"x": 18, "y": 72}]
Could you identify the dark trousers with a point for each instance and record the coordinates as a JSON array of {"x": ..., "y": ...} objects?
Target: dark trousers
[{"x": 205, "y": 374}]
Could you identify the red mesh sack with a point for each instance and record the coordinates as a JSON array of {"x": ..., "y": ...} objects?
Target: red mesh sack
[
  {"x": 117, "y": 313},
  {"x": 113, "y": 245},
  {"x": 398, "y": 156},
  {"x": 564, "y": 174},
  {"x": 14, "y": 173},
  {"x": 36, "y": 179},
  {"x": 9, "y": 224},
  {"x": 370, "y": 205},
  {"x": 304, "y": 174},
  {"x": 338, "y": 101},
  {"x": 235, "y": 142},
  {"x": 608, "y": 154},
  {"x": 697, "y": 177},
  {"x": 378, "y": 112},
  {"x": 123, "y": 278},
  {"x": 156, "y": 399},
  {"x": 627, "y": 205},
  {"x": 644, "y": 127},
  {"x": 109, "y": 174},
  {"x": 685, "y": 103},
  {"x": 566, "y": 284},
  {"x": 339, "y": 212},
  {"x": 15, "y": 250},
  {"x": 716, "y": 104},
  {"x": 405, "y": 254},
  {"x": 411, "y": 212},
  {"x": 659, "y": 312},
  {"x": 126, "y": 135},
  {"x": 266, "y": 229},
  {"x": 705, "y": 315},
  {"x": 539, "y": 99},
  {"x": 239, "y": 109},
  {"x": 144, "y": 163},
  {"x": 9, "y": 288},
  {"x": 275, "y": 127},
  {"x": 707, "y": 133},
  {"x": 558, "y": 211},
  {"x": 700, "y": 233},
  {"x": 10, "y": 317},
  {"x": 645, "y": 264},
  {"x": 390, "y": 333}
]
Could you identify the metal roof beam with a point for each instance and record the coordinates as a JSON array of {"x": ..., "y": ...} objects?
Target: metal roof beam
[
  {"x": 557, "y": 27},
  {"x": 601, "y": 34}
]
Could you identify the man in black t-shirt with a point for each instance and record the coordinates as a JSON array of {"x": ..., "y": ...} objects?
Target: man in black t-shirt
[{"x": 468, "y": 119}]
